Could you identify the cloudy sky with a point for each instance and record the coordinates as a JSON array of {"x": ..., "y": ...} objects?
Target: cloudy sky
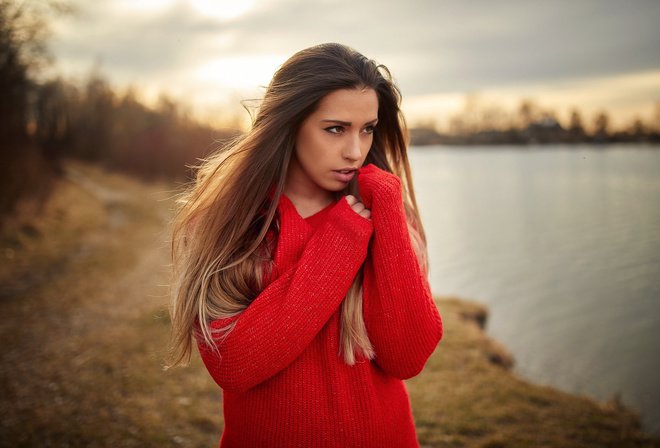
[{"x": 593, "y": 54}]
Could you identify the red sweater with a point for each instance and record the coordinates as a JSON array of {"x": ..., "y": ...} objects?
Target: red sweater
[{"x": 284, "y": 381}]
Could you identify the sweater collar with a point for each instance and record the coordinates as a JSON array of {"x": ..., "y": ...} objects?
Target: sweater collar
[{"x": 288, "y": 210}]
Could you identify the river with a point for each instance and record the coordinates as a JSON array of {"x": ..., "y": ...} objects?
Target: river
[{"x": 562, "y": 243}]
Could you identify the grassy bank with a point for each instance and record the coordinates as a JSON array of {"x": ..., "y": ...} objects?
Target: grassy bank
[
  {"x": 468, "y": 396},
  {"x": 84, "y": 331}
]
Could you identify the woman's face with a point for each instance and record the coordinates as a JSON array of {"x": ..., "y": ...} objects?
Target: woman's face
[{"x": 332, "y": 144}]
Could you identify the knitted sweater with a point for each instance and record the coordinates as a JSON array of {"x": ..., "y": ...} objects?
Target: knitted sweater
[{"x": 284, "y": 381}]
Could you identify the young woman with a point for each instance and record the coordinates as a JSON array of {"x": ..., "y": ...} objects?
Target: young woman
[{"x": 299, "y": 263}]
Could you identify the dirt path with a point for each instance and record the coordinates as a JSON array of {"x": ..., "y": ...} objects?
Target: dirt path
[{"x": 84, "y": 329}]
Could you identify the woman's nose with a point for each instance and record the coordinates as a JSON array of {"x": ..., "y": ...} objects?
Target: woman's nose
[{"x": 352, "y": 150}]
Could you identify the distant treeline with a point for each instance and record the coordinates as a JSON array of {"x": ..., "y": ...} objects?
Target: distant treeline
[
  {"x": 97, "y": 124},
  {"x": 479, "y": 124},
  {"x": 43, "y": 122}
]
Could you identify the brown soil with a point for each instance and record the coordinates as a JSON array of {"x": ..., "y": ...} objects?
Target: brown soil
[{"x": 84, "y": 327}]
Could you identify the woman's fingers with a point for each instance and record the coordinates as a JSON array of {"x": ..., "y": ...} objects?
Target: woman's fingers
[{"x": 358, "y": 207}]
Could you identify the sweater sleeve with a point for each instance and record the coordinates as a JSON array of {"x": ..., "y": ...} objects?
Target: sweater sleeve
[
  {"x": 282, "y": 321},
  {"x": 402, "y": 320}
]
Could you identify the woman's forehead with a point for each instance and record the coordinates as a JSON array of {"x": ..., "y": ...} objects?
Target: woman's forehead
[{"x": 357, "y": 102}]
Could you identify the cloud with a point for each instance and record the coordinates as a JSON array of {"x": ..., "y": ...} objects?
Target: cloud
[
  {"x": 140, "y": 44},
  {"x": 437, "y": 47},
  {"x": 468, "y": 45}
]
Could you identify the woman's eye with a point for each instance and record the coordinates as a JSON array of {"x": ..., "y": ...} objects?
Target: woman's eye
[
  {"x": 369, "y": 129},
  {"x": 334, "y": 129}
]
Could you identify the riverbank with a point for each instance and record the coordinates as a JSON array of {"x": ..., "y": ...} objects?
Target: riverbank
[
  {"x": 468, "y": 396},
  {"x": 84, "y": 331}
]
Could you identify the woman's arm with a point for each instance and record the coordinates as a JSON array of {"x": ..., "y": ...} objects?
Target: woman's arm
[
  {"x": 282, "y": 321},
  {"x": 402, "y": 320}
]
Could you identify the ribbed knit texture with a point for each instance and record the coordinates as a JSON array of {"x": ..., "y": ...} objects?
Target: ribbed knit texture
[{"x": 284, "y": 381}]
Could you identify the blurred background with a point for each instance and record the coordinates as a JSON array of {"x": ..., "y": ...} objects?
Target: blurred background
[{"x": 535, "y": 131}]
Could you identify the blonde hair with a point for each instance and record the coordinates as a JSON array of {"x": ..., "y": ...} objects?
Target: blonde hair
[{"x": 222, "y": 257}]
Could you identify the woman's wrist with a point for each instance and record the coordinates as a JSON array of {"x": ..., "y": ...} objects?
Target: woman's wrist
[
  {"x": 343, "y": 217},
  {"x": 377, "y": 185}
]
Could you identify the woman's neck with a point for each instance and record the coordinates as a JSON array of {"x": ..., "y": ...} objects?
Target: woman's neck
[{"x": 308, "y": 204}]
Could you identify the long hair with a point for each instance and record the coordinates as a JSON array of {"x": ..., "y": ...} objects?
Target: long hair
[{"x": 221, "y": 252}]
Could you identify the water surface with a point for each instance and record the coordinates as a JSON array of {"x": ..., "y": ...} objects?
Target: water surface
[{"x": 563, "y": 245}]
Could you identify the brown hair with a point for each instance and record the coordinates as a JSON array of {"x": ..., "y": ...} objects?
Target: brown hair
[{"x": 220, "y": 252}]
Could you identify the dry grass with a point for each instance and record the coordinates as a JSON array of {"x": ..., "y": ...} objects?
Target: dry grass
[
  {"x": 84, "y": 334},
  {"x": 84, "y": 328},
  {"x": 467, "y": 397}
]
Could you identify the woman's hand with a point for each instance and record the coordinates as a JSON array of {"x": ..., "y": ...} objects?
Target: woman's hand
[
  {"x": 358, "y": 207},
  {"x": 376, "y": 183}
]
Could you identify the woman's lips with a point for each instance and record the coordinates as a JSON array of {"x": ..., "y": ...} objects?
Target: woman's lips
[{"x": 344, "y": 175}]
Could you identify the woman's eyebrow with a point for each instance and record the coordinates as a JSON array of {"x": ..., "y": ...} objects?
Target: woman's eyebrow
[{"x": 348, "y": 123}]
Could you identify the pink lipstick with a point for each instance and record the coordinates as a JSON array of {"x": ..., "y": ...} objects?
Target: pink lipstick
[{"x": 345, "y": 175}]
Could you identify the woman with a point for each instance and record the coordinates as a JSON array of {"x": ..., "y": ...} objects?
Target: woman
[{"x": 309, "y": 306}]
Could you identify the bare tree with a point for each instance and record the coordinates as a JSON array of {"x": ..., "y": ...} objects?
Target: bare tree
[
  {"x": 601, "y": 126},
  {"x": 575, "y": 126},
  {"x": 24, "y": 34},
  {"x": 528, "y": 113}
]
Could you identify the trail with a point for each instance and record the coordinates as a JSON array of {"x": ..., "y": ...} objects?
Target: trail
[{"x": 85, "y": 330}]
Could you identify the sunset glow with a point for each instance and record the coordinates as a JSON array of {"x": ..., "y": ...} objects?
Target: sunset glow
[
  {"x": 240, "y": 72},
  {"x": 144, "y": 4},
  {"x": 212, "y": 53},
  {"x": 224, "y": 9}
]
